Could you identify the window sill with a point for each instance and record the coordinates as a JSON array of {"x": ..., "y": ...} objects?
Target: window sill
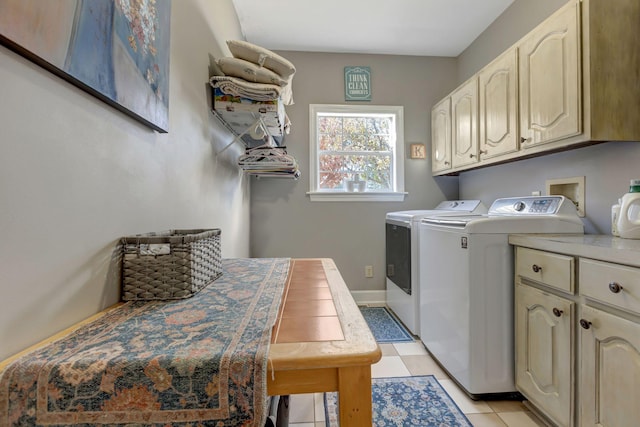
[{"x": 345, "y": 196}]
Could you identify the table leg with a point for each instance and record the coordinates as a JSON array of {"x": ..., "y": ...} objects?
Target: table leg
[{"x": 354, "y": 394}]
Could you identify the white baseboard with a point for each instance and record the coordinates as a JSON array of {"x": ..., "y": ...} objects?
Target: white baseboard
[{"x": 370, "y": 297}]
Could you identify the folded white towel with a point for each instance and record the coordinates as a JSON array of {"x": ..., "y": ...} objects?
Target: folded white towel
[
  {"x": 256, "y": 91},
  {"x": 239, "y": 87}
]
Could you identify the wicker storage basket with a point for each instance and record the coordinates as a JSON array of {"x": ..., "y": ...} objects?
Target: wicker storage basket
[{"x": 174, "y": 264}]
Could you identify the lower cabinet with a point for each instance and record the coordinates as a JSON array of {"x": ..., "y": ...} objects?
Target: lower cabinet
[
  {"x": 544, "y": 351},
  {"x": 577, "y": 347},
  {"x": 609, "y": 369}
]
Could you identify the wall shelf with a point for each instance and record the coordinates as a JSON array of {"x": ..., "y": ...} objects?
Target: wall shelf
[
  {"x": 238, "y": 113},
  {"x": 256, "y": 124},
  {"x": 253, "y": 135}
]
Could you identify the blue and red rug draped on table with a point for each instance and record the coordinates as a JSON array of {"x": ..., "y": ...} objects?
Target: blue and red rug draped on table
[
  {"x": 405, "y": 402},
  {"x": 197, "y": 361},
  {"x": 384, "y": 325}
]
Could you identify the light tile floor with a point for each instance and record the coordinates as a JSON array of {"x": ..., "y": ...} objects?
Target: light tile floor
[{"x": 406, "y": 359}]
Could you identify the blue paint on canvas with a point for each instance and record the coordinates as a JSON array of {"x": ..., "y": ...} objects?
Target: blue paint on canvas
[
  {"x": 141, "y": 40},
  {"x": 117, "y": 50},
  {"x": 89, "y": 58}
]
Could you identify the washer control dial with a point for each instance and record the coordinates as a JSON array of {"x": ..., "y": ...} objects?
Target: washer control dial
[{"x": 519, "y": 206}]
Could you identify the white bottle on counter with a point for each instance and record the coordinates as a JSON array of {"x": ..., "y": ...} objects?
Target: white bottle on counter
[
  {"x": 615, "y": 213},
  {"x": 629, "y": 217}
]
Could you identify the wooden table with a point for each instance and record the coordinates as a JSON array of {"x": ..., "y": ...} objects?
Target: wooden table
[{"x": 322, "y": 343}]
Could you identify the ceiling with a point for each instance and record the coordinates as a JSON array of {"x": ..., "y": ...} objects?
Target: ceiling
[{"x": 395, "y": 27}]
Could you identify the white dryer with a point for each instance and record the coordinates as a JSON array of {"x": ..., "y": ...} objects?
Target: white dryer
[
  {"x": 401, "y": 241},
  {"x": 467, "y": 287}
]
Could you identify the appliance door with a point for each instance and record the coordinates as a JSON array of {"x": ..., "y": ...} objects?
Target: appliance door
[
  {"x": 466, "y": 306},
  {"x": 398, "y": 255},
  {"x": 444, "y": 298}
]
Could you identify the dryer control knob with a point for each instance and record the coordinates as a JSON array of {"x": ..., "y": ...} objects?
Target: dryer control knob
[{"x": 519, "y": 206}]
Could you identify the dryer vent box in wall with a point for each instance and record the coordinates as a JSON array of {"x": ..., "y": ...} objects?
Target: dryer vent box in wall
[{"x": 571, "y": 188}]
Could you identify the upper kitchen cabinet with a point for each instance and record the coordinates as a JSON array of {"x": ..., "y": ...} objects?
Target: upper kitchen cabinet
[
  {"x": 498, "y": 85},
  {"x": 441, "y": 136},
  {"x": 575, "y": 82},
  {"x": 550, "y": 98},
  {"x": 611, "y": 69},
  {"x": 464, "y": 124},
  {"x": 579, "y": 76}
]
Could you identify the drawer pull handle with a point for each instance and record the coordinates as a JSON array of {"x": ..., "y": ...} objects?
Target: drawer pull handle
[
  {"x": 536, "y": 268},
  {"x": 615, "y": 287},
  {"x": 557, "y": 312},
  {"x": 585, "y": 324}
]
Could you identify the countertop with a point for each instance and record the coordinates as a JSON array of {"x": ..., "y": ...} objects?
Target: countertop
[{"x": 597, "y": 246}]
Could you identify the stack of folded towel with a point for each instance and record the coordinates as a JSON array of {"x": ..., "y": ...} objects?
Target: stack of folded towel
[{"x": 255, "y": 73}]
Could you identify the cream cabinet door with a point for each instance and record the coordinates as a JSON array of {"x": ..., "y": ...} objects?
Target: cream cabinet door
[
  {"x": 498, "y": 86},
  {"x": 609, "y": 370},
  {"x": 544, "y": 352},
  {"x": 441, "y": 136},
  {"x": 549, "y": 76},
  {"x": 464, "y": 124}
]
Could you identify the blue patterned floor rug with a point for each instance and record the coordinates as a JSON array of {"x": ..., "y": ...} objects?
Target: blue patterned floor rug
[
  {"x": 384, "y": 325},
  {"x": 405, "y": 402}
]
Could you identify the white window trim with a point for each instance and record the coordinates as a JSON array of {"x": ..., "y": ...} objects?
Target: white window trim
[{"x": 344, "y": 196}]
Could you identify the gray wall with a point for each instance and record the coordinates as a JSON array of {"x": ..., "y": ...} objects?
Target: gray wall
[
  {"x": 607, "y": 167},
  {"x": 284, "y": 222},
  {"x": 75, "y": 175}
]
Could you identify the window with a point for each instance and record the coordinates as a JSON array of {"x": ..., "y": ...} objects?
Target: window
[{"x": 356, "y": 153}]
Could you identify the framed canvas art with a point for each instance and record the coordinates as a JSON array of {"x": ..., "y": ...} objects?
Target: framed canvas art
[{"x": 117, "y": 50}]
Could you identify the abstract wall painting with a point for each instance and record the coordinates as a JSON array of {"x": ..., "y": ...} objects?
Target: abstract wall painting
[{"x": 117, "y": 50}]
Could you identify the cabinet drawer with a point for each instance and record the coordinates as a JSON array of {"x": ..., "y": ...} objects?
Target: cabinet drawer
[
  {"x": 545, "y": 267},
  {"x": 613, "y": 284}
]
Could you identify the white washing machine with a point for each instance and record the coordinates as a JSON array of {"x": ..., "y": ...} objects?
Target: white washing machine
[
  {"x": 467, "y": 287},
  {"x": 401, "y": 241}
]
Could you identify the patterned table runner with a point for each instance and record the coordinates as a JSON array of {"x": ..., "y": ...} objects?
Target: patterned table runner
[{"x": 198, "y": 361}]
